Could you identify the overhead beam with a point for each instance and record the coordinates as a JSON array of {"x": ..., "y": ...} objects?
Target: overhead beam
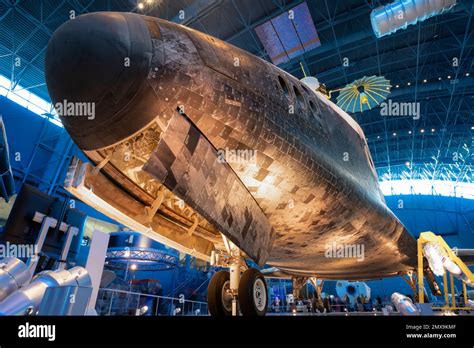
[{"x": 197, "y": 10}]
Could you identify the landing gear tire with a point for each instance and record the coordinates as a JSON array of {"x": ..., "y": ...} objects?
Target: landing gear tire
[
  {"x": 219, "y": 298},
  {"x": 253, "y": 293}
]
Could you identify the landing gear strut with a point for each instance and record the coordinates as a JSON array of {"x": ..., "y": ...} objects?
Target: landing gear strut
[
  {"x": 251, "y": 295},
  {"x": 229, "y": 291}
]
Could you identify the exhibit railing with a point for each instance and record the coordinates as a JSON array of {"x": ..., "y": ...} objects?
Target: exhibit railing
[
  {"x": 386, "y": 308},
  {"x": 113, "y": 302},
  {"x": 335, "y": 309}
]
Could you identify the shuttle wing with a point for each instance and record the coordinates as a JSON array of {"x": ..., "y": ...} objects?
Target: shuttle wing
[
  {"x": 190, "y": 166},
  {"x": 275, "y": 273}
]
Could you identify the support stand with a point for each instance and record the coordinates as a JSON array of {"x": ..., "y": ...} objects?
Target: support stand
[
  {"x": 235, "y": 263},
  {"x": 410, "y": 279},
  {"x": 430, "y": 237}
]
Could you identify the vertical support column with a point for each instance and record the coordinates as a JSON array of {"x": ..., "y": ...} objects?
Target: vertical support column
[
  {"x": 446, "y": 290},
  {"x": 464, "y": 292},
  {"x": 71, "y": 232},
  {"x": 234, "y": 284},
  {"x": 234, "y": 265},
  {"x": 95, "y": 264},
  {"x": 453, "y": 299},
  {"x": 421, "y": 290},
  {"x": 45, "y": 225},
  {"x": 318, "y": 288}
]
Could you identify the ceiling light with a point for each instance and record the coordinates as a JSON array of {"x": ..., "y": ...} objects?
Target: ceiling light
[
  {"x": 397, "y": 86},
  {"x": 409, "y": 83},
  {"x": 408, "y": 163},
  {"x": 439, "y": 78},
  {"x": 422, "y": 131},
  {"x": 409, "y": 132},
  {"x": 394, "y": 134},
  {"x": 425, "y": 80},
  {"x": 449, "y": 76},
  {"x": 141, "y": 6},
  {"x": 467, "y": 74},
  {"x": 432, "y": 129}
]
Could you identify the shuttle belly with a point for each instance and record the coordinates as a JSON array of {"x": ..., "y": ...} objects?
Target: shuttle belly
[{"x": 307, "y": 174}]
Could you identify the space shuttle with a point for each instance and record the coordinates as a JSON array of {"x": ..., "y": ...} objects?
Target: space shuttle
[{"x": 220, "y": 154}]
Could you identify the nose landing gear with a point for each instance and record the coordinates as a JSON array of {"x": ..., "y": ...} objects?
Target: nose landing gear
[
  {"x": 219, "y": 296},
  {"x": 252, "y": 294},
  {"x": 230, "y": 291}
]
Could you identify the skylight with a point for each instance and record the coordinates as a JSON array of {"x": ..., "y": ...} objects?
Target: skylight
[
  {"x": 428, "y": 187},
  {"x": 28, "y": 100}
]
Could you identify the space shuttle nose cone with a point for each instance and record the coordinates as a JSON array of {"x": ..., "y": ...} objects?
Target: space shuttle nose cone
[
  {"x": 85, "y": 57},
  {"x": 95, "y": 65}
]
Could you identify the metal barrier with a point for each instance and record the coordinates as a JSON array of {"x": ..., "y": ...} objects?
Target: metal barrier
[
  {"x": 336, "y": 309},
  {"x": 120, "y": 302},
  {"x": 386, "y": 308}
]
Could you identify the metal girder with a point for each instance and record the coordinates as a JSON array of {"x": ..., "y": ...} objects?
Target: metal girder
[
  {"x": 258, "y": 45},
  {"x": 364, "y": 67},
  {"x": 467, "y": 34},
  {"x": 197, "y": 10},
  {"x": 365, "y": 33}
]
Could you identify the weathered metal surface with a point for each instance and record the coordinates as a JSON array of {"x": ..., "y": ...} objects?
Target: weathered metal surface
[
  {"x": 172, "y": 208},
  {"x": 188, "y": 165},
  {"x": 312, "y": 175},
  {"x": 98, "y": 191}
]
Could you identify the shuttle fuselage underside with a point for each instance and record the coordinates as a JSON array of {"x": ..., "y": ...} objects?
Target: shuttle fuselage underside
[{"x": 161, "y": 123}]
